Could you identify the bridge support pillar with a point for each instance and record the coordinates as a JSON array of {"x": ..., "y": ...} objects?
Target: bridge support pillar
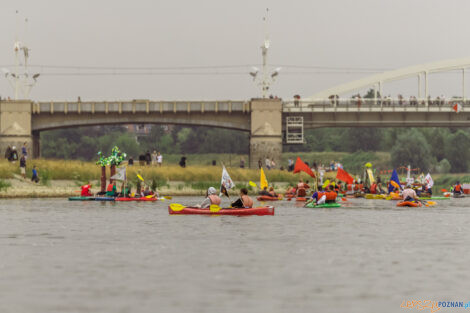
[
  {"x": 15, "y": 125},
  {"x": 266, "y": 131},
  {"x": 36, "y": 143}
]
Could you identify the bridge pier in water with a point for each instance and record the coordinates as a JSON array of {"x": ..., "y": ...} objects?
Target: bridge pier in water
[{"x": 265, "y": 131}]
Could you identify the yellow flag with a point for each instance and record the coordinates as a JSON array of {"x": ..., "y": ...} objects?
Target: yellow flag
[
  {"x": 371, "y": 176},
  {"x": 263, "y": 182},
  {"x": 327, "y": 182}
]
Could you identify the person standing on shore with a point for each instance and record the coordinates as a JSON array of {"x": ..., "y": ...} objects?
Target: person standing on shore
[
  {"x": 24, "y": 150},
  {"x": 159, "y": 159},
  {"x": 8, "y": 153},
  {"x": 23, "y": 166},
  {"x": 154, "y": 158}
]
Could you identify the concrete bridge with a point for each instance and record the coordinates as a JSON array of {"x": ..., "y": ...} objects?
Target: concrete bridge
[
  {"x": 269, "y": 121},
  {"x": 266, "y": 119}
]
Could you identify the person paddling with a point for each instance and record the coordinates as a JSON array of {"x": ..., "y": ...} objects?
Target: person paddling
[
  {"x": 318, "y": 196},
  {"x": 272, "y": 193},
  {"x": 111, "y": 191},
  {"x": 86, "y": 190},
  {"x": 409, "y": 194},
  {"x": 458, "y": 188},
  {"x": 211, "y": 198},
  {"x": 244, "y": 201}
]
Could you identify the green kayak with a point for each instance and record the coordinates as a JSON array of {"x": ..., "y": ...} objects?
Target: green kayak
[
  {"x": 324, "y": 205},
  {"x": 434, "y": 198},
  {"x": 82, "y": 198}
]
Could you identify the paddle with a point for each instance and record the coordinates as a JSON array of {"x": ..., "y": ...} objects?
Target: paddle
[
  {"x": 176, "y": 207},
  {"x": 214, "y": 208}
]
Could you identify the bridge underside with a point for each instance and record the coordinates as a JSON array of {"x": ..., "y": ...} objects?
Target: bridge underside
[
  {"x": 381, "y": 119},
  {"x": 44, "y": 121}
]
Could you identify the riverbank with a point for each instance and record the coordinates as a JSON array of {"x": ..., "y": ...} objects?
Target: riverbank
[{"x": 60, "y": 178}]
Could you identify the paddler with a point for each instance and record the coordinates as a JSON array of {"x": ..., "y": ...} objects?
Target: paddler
[
  {"x": 244, "y": 201},
  {"x": 301, "y": 189},
  {"x": 272, "y": 193},
  {"x": 86, "y": 190},
  {"x": 409, "y": 194},
  {"x": 458, "y": 188},
  {"x": 318, "y": 196},
  {"x": 264, "y": 192},
  {"x": 111, "y": 191},
  {"x": 211, "y": 198}
]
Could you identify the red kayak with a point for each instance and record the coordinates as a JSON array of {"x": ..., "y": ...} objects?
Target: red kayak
[
  {"x": 409, "y": 203},
  {"x": 267, "y": 210},
  {"x": 136, "y": 199},
  {"x": 268, "y": 198}
]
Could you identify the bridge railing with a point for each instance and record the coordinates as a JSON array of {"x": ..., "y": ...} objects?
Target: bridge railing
[
  {"x": 366, "y": 104},
  {"x": 140, "y": 106}
]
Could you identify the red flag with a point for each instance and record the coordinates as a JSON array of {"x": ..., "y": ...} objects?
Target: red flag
[
  {"x": 300, "y": 166},
  {"x": 344, "y": 176},
  {"x": 457, "y": 107}
]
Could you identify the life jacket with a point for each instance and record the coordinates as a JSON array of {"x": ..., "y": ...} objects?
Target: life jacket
[
  {"x": 301, "y": 192},
  {"x": 110, "y": 187},
  {"x": 215, "y": 199},
  {"x": 330, "y": 195},
  {"x": 373, "y": 188},
  {"x": 458, "y": 188},
  {"x": 247, "y": 201}
]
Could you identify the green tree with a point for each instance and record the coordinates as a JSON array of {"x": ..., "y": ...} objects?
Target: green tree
[
  {"x": 457, "y": 151},
  {"x": 411, "y": 148}
]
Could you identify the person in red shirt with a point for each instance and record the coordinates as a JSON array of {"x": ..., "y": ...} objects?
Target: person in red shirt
[{"x": 86, "y": 190}]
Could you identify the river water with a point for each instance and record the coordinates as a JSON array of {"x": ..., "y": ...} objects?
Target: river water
[{"x": 368, "y": 256}]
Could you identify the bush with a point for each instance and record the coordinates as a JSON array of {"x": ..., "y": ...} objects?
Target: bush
[
  {"x": 4, "y": 185},
  {"x": 443, "y": 166}
]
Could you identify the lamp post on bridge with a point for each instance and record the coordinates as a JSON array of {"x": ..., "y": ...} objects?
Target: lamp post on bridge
[
  {"x": 266, "y": 80},
  {"x": 21, "y": 82}
]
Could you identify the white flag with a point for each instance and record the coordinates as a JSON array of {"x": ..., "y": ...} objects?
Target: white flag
[
  {"x": 429, "y": 181},
  {"x": 226, "y": 182},
  {"x": 120, "y": 175}
]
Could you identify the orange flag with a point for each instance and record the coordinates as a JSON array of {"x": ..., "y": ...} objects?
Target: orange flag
[
  {"x": 300, "y": 166},
  {"x": 344, "y": 176}
]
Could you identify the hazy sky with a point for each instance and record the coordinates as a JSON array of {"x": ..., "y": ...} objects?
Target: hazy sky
[{"x": 350, "y": 35}]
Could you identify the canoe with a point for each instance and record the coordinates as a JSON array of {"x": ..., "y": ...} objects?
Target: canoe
[
  {"x": 409, "y": 203},
  {"x": 136, "y": 199},
  {"x": 324, "y": 205},
  {"x": 91, "y": 199},
  {"x": 266, "y": 210},
  {"x": 269, "y": 198}
]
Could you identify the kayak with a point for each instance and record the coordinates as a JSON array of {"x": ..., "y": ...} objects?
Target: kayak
[
  {"x": 324, "y": 205},
  {"x": 375, "y": 196},
  {"x": 269, "y": 198},
  {"x": 91, "y": 199},
  {"x": 266, "y": 210},
  {"x": 434, "y": 198},
  {"x": 137, "y": 199},
  {"x": 409, "y": 203},
  {"x": 81, "y": 198},
  {"x": 301, "y": 199}
]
